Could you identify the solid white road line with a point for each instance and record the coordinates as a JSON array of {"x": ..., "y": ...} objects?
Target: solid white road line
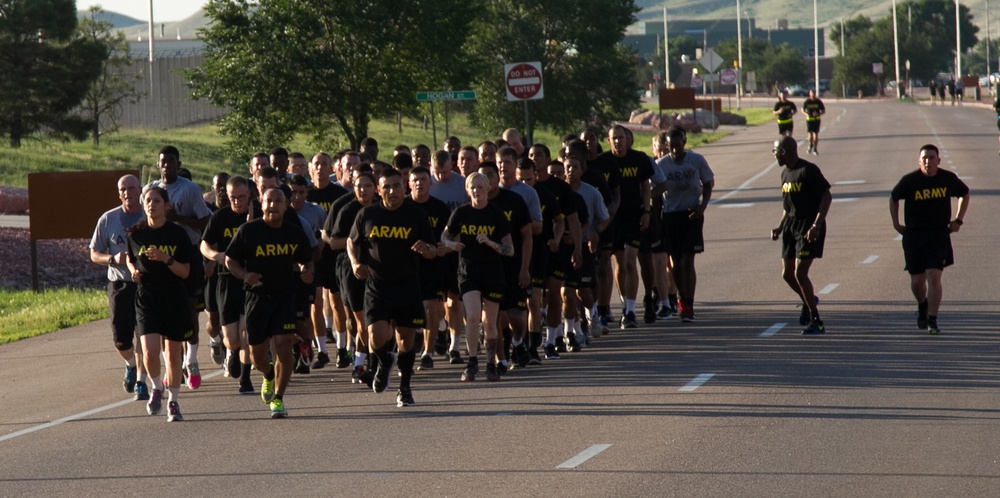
[
  {"x": 845, "y": 199},
  {"x": 849, "y": 182},
  {"x": 696, "y": 382},
  {"x": 870, "y": 259},
  {"x": 583, "y": 456},
  {"x": 828, "y": 289},
  {"x": 899, "y": 237},
  {"x": 737, "y": 205},
  {"x": 85, "y": 414},
  {"x": 773, "y": 329}
]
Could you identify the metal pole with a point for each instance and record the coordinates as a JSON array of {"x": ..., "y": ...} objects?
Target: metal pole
[
  {"x": 152, "y": 84},
  {"x": 527, "y": 123},
  {"x": 958, "y": 43},
  {"x": 895, "y": 48},
  {"x": 816, "y": 49},
  {"x": 34, "y": 266},
  {"x": 434, "y": 131},
  {"x": 666, "y": 52},
  {"x": 987, "y": 38},
  {"x": 739, "y": 61}
]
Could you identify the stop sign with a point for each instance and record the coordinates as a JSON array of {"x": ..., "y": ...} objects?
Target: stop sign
[
  {"x": 727, "y": 76},
  {"x": 523, "y": 81}
]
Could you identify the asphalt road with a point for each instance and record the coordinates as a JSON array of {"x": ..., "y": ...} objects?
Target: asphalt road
[{"x": 735, "y": 404}]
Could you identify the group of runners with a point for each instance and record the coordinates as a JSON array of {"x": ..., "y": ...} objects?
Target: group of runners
[{"x": 514, "y": 247}]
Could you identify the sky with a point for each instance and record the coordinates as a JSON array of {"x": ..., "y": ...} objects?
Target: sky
[{"x": 163, "y": 10}]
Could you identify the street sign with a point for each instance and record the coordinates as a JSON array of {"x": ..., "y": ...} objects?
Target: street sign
[
  {"x": 439, "y": 96},
  {"x": 523, "y": 81},
  {"x": 710, "y": 60},
  {"x": 728, "y": 76},
  {"x": 696, "y": 80},
  {"x": 877, "y": 67}
]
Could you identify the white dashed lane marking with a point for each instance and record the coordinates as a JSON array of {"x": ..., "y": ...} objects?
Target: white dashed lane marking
[
  {"x": 849, "y": 182},
  {"x": 828, "y": 289},
  {"x": 696, "y": 382},
  {"x": 737, "y": 205},
  {"x": 845, "y": 199},
  {"x": 773, "y": 329},
  {"x": 583, "y": 456},
  {"x": 870, "y": 259}
]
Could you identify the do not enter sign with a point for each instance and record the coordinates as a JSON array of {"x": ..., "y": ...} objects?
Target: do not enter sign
[{"x": 523, "y": 81}]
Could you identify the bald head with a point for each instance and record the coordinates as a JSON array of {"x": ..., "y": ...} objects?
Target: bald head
[{"x": 786, "y": 151}]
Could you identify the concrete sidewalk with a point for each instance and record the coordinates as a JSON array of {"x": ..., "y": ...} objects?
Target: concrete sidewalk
[{"x": 14, "y": 220}]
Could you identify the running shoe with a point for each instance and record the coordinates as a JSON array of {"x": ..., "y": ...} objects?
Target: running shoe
[
  {"x": 441, "y": 344},
  {"x": 278, "y": 409},
  {"x": 246, "y": 385},
  {"x": 193, "y": 376},
  {"x": 471, "y": 369},
  {"x": 141, "y": 391},
  {"x": 454, "y": 357},
  {"x": 344, "y": 358},
  {"x": 933, "y": 329},
  {"x": 804, "y": 316},
  {"x": 491, "y": 373},
  {"x": 231, "y": 366},
  {"x": 367, "y": 378},
  {"x": 550, "y": 352},
  {"x": 815, "y": 328},
  {"x": 922, "y": 316},
  {"x": 267, "y": 390},
  {"x": 218, "y": 353},
  {"x": 561, "y": 344},
  {"x": 174, "y": 412},
  {"x": 664, "y": 313},
  {"x": 604, "y": 320},
  {"x": 649, "y": 310},
  {"x": 533, "y": 357},
  {"x": 382, "y": 371},
  {"x": 306, "y": 351},
  {"x": 129, "y": 381},
  {"x": 629, "y": 321},
  {"x": 404, "y": 397},
  {"x": 302, "y": 365},
  {"x": 574, "y": 345},
  {"x": 521, "y": 356},
  {"x": 321, "y": 361},
  {"x": 426, "y": 362},
  {"x": 502, "y": 369},
  {"x": 356, "y": 374},
  {"x": 155, "y": 402}
]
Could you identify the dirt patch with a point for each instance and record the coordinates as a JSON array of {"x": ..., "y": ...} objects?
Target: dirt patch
[
  {"x": 13, "y": 200},
  {"x": 61, "y": 263}
]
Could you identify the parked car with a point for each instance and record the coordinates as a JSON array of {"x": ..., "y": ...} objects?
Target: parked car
[{"x": 797, "y": 91}]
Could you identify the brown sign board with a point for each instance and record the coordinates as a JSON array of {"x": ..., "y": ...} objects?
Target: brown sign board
[
  {"x": 67, "y": 205},
  {"x": 677, "y": 98},
  {"x": 708, "y": 104}
]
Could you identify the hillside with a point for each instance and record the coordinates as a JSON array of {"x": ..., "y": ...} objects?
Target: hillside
[{"x": 117, "y": 20}]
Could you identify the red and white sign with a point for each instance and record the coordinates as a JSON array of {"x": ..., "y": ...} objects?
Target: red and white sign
[
  {"x": 696, "y": 80},
  {"x": 727, "y": 76},
  {"x": 523, "y": 81}
]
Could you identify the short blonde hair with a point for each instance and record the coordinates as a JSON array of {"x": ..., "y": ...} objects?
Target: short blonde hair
[{"x": 476, "y": 176}]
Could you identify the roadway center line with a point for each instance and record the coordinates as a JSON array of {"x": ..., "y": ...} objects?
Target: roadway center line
[
  {"x": 849, "y": 182},
  {"x": 583, "y": 456},
  {"x": 81, "y": 415},
  {"x": 845, "y": 199},
  {"x": 696, "y": 382},
  {"x": 828, "y": 289},
  {"x": 773, "y": 329},
  {"x": 737, "y": 205},
  {"x": 870, "y": 259}
]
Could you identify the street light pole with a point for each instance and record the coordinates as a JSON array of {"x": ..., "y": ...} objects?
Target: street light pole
[
  {"x": 666, "y": 51},
  {"x": 815, "y": 49},
  {"x": 739, "y": 61},
  {"x": 958, "y": 43},
  {"x": 895, "y": 48}
]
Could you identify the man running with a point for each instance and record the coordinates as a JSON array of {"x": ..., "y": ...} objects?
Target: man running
[
  {"x": 802, "y": 228},
  {"x": 784, "y": 109},
  {"x": 927, "y": 232},
  {"x": 813, "y": 108}
]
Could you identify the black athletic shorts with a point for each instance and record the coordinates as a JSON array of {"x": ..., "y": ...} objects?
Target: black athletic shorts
[
  {"x": 269, "y": 315},
  {"x": 326, "y": 274},
  {"x": 394, "y": 302},
  {"x": 783, "y": 128},
  {"x": 539, "y": 268},
  {"x": 629, "y": 229},
  {"x": 927, "y": 250},
  {"x": 163, "y": 312},
  {"x": 561, "y": 261},
  {"x": 489, "y": 282},
  {"x": 231, "y": 299},
  {"x": 121, "y": 302},
  {"x": 812, "y": 126},
  {"x": 584, "y": 278},
  {"x": 652, "y": 238},
  {"x": 211, "y": 292},
  {"x": 515, "y": 297},
  {"x": 681, "y": 234},
  {"x": 352, "y": 290},
  {"x": 448, "y": 265},
  {"x": 609, "y": 236},
  {"x": 793, "y": 240},
  {"x": 195, "y": 281},
  {"x": 305, "y": 296},
  {"x": 432, "y": 281}
]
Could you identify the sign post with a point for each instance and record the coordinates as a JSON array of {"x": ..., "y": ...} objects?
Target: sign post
[
  {"x": 524, "y": 82},
  {"x": 444, "y": 96}
]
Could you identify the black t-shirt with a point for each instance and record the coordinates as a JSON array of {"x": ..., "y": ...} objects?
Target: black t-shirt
[
  {"x": 633, "y": 169},
  {"x": 608, "y": 167},
  {"x": 388, "y": 236},
  {"x": 802, "y": 189},
  {"x": 331, "y": 220},
  {"x": 595, "y": 178},
  {"x": 345, "y": 221},
  {"x": 221, "y": 229},
  {"x": 468, "y": 222},
  {"x": 563, "y": 192},
  {"x": 437, "y": 215},
  {"x": 550, "y": 210},
  {"x": 271, "y": 252},
  {"x": 786, "y": 108},
  {"x": 326, "y": 195},
  {"x": 515, "y": 211},
  {"x": 812, "y": 108},
  {"x": 170, "y": 238},
  {"x": 928, "y": 198}
]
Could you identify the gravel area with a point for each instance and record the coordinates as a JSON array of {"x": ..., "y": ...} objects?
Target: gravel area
[{"x": 61, "y": 263}]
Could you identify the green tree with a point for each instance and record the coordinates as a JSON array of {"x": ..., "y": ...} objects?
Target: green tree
[
  {"x": 315, "y": 66},
  {"x": 588, "y": 75},
  {"x": 102, "y": 105},
  {"x": 45, "y": 69}
]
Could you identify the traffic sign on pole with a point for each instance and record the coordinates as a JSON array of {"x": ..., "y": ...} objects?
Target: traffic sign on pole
[
  {"x": 523, "y": 81},
  {"x": 727, "y": 76},
  {"x": 710, "y": 60},
  {"x": 449, "y": 95}
]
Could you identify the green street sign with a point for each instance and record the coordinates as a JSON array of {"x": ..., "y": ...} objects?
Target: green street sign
[{"x": 439, "y": 96}]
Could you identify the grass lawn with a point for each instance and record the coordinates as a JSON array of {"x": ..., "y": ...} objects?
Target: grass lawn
[{"x": 26, "y": 314}]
